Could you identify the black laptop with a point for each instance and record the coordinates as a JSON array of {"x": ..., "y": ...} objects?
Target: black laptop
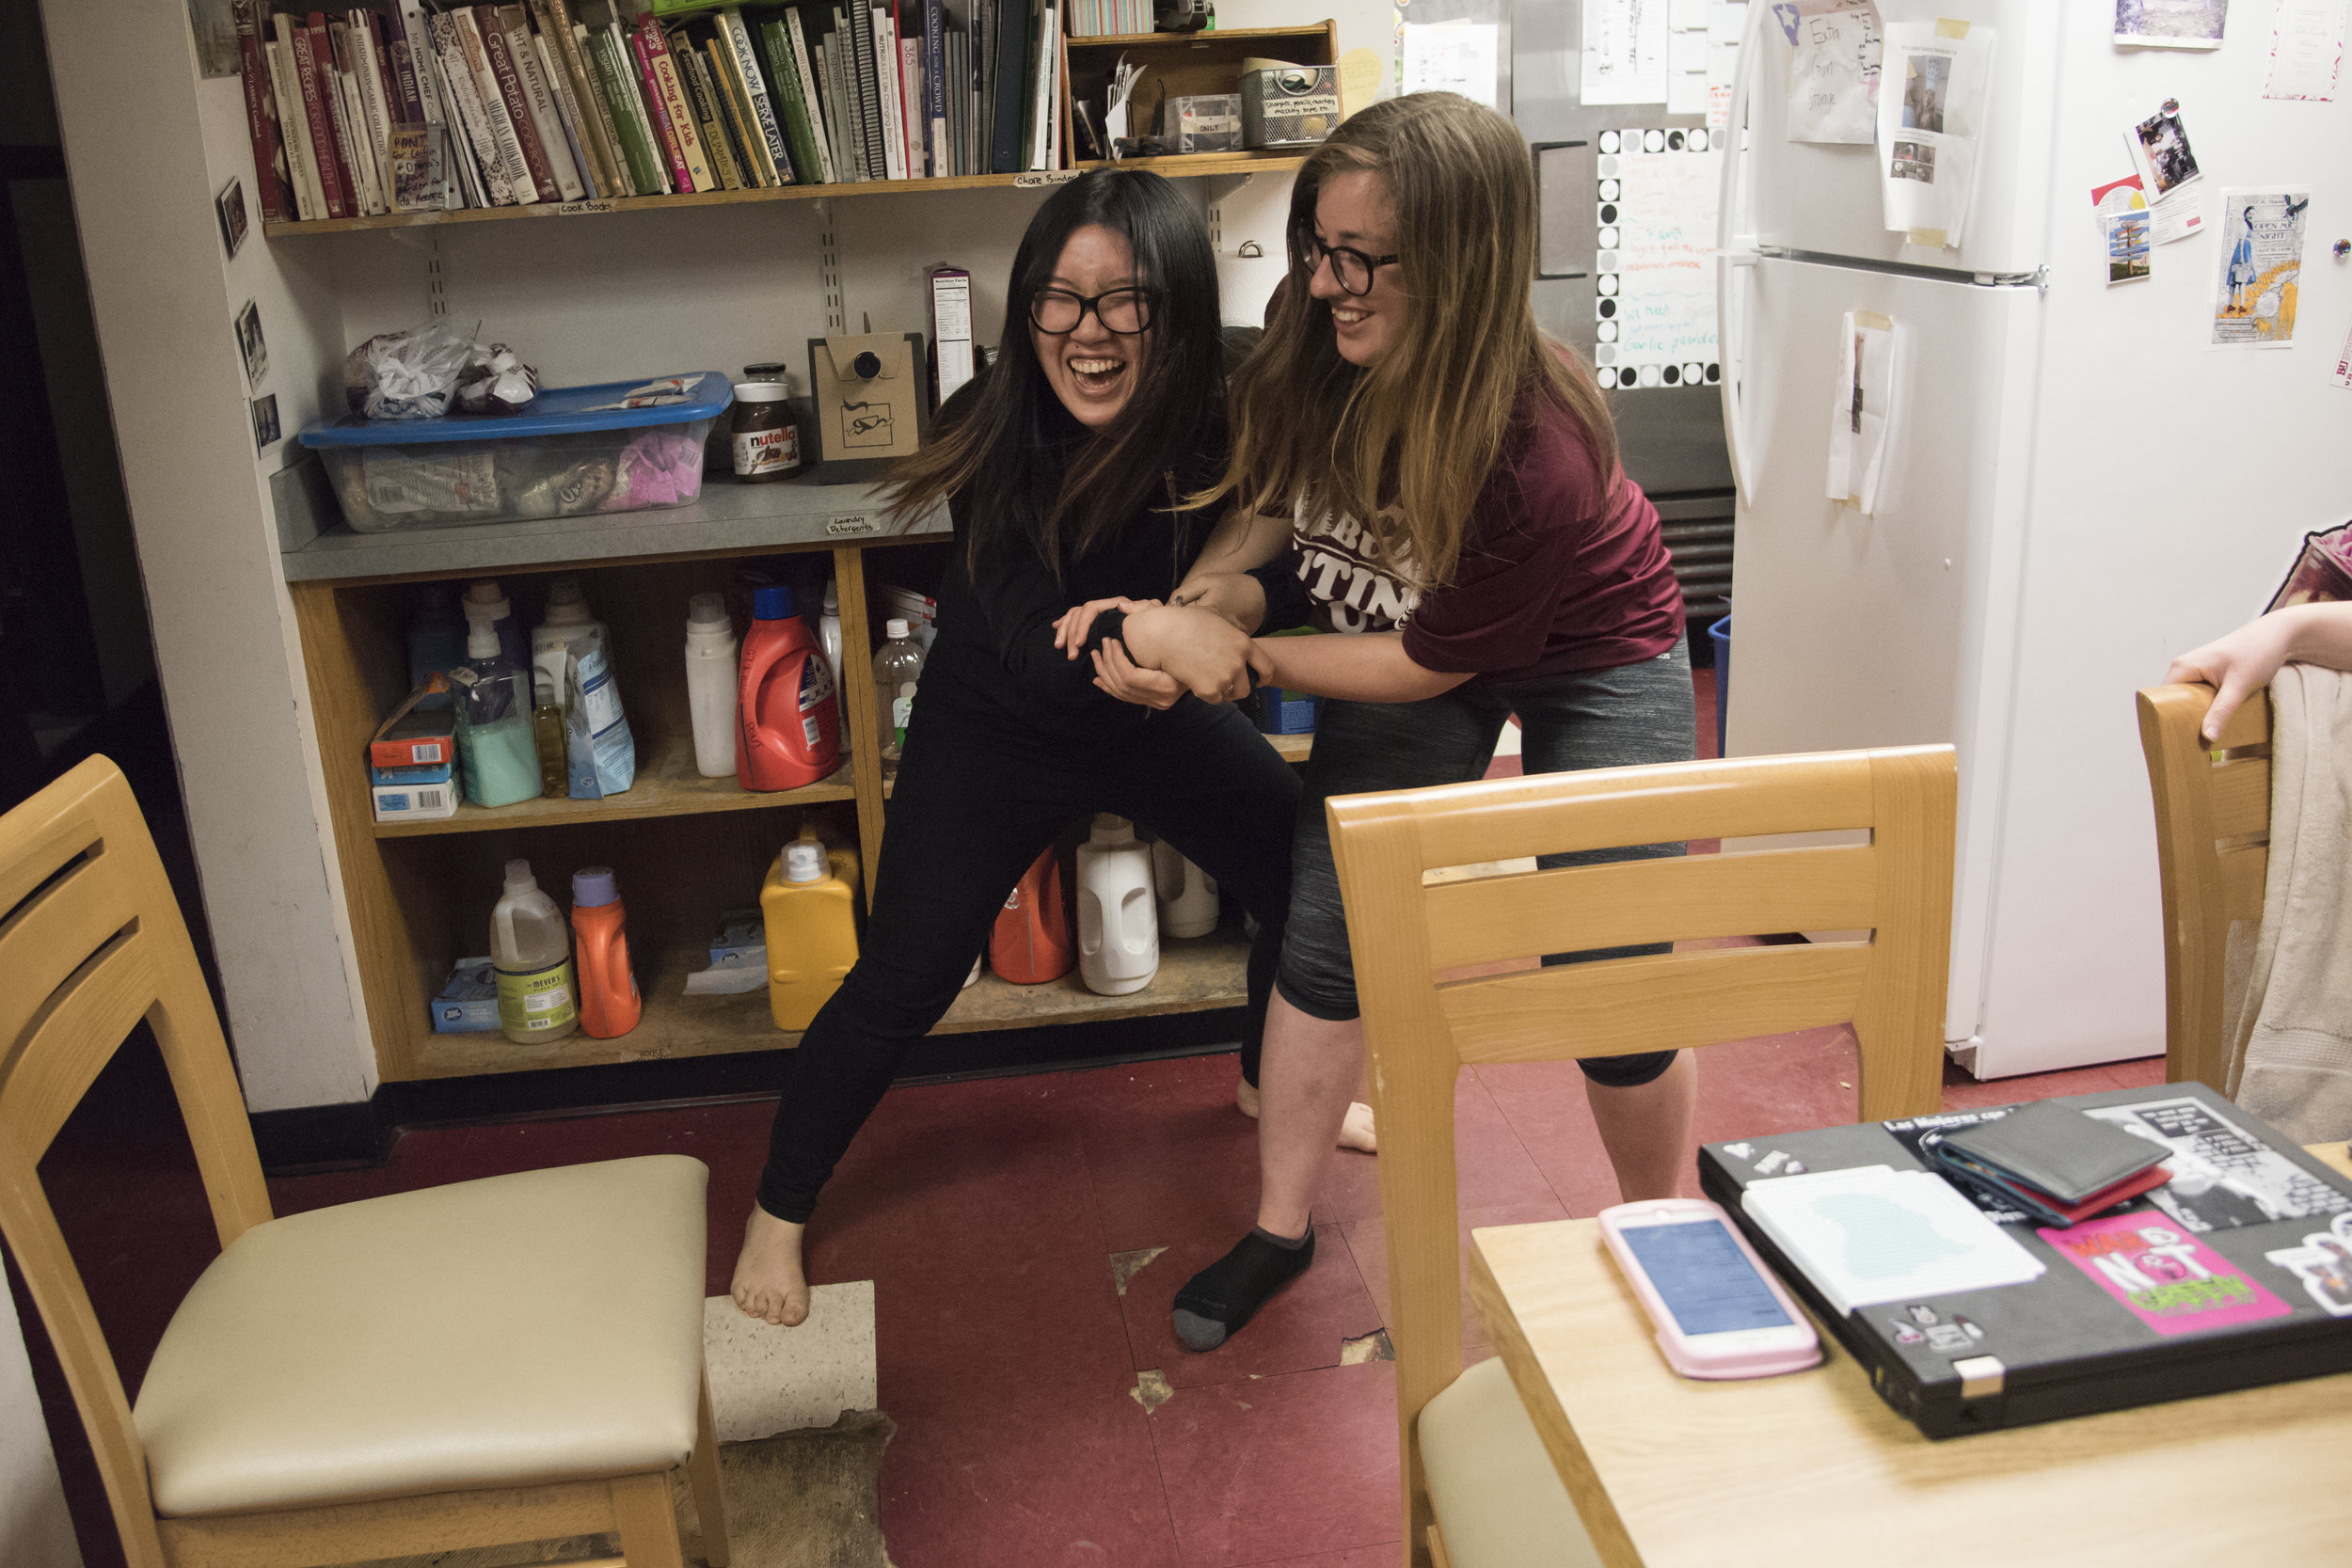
[{"x": 2236, "y": 1273}]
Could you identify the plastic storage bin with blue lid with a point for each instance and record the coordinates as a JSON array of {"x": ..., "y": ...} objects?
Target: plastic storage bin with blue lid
[{"x": 562, "y": 458}]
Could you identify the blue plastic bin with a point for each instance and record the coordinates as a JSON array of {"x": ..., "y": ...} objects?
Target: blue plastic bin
[
  {"x": 1720, "y": 634},
  {"x": 557, "y": 459}
]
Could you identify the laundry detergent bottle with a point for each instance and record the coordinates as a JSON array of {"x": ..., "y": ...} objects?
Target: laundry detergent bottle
[
  {"x": 608, "y": 1003},
  {"x": 1187, "y": 894},
  {"x": 791, "y": 719},
  {"x": 533, "y": 955},
  {"x": 1118, "y": 933},
  {"x": 809, "y": 908},
  {"x": 1030, "y": 943}
]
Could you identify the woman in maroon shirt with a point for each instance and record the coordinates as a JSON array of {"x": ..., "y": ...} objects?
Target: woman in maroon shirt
[{"x": 1416, "y": 467}]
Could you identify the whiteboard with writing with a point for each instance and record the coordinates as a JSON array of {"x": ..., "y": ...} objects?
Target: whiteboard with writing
[{"x": 1654, "y": 274}]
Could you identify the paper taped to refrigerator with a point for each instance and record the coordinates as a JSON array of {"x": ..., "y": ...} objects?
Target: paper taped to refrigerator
[
  {"x": 2262, "y": 269},
  {"x": 1833, "y": 70},
  {"x": 1654, "y": 275},
  {"x": 1930, "y": 125},
  {"x": 1862, "y": 409},
  {"x": 1726, "y": 22},
  {"x": 1624, "y": 56},
  {"x": 2306, "y": 46},
  {"x": 1452, "y": 57}
]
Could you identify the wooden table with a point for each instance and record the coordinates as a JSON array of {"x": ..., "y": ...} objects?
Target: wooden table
[{"x": 1812, "y": 1469}]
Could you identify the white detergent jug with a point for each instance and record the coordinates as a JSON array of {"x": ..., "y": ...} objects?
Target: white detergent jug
[
  {"x": 1187, "y": 894},
  {"x": 1119, "y": 936}
]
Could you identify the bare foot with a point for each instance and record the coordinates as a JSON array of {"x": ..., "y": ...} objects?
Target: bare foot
[
  {"x": 1354, "y": 1132},
  {"x": 768, "y": 1283}
]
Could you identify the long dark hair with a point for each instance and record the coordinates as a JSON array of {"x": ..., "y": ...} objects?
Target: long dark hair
[{"x": 997, "y": 455}]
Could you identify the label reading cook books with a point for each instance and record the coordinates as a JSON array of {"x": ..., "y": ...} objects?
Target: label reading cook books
[{"x": 2170, "y": 1282}]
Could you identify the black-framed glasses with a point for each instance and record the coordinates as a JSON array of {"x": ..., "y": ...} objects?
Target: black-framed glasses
[
  {"x": 1351, "y": 267},
  {"x": 1057, "y": 312}
]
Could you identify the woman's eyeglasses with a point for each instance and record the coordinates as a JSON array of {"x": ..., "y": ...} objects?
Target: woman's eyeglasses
[
  {"x": 1351, "y": 268},
  {"x": 1058, "y": 313}
]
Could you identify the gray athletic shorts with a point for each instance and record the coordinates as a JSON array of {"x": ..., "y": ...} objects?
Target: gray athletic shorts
[{"x": 1615, "y": 718}]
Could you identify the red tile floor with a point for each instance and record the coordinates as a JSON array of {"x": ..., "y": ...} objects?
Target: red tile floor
[{"x": 988, "y": 1213}]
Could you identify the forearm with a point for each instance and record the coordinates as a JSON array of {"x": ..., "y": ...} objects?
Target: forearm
[
  {"x": 1368, "y": 668},
  {"x": 1234, "y": 596},
  {"x": 1241, "y": 541},
  {"x": 2319, "y": 634}
]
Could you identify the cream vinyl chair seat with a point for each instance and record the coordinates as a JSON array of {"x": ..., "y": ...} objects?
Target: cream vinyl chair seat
[
  {"x": 1492, "y": 1481},
  {"x": 535, "y": 1327}
]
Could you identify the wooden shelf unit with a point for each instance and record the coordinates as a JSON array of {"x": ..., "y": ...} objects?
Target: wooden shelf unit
[
  {"x": 1179, "y": 65},
  {"x": 686, "y": 849}
]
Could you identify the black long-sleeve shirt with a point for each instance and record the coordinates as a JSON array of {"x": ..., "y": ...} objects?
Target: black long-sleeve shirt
[{"x": 994, "y": 659}]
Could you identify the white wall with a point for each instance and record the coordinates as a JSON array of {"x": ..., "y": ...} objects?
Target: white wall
[
  {"x": 35, "y": 1529},
  {"x": 142, "y": 149},
  {"x": 628, "y": 295}
]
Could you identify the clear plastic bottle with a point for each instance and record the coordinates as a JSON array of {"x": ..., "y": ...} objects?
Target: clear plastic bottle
[
  {"x": 711, "y": 684},
  {"x": 898, "y": 666},
  {"x": 547, "y": 736},
  {"x": 496, "y": 757},
  {"x": 531, "y": 950}
]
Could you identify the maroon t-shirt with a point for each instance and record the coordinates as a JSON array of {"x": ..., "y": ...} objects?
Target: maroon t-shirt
[{"x": 1559, "y": 571}]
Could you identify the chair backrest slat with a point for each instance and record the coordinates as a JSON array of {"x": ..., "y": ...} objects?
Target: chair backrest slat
[
  {"x": 1409, "y": 937},
  {"x": 1661, "y": 1002},
  {"x": 1575, "y": 907},
  {"x": 1548, "y": 814},
  {"x": 2212, "y": 857},
  {"x": 93, "y": 941}
]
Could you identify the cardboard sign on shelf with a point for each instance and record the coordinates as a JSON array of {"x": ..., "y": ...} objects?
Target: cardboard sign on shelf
[{"x": 869, "y": 392}]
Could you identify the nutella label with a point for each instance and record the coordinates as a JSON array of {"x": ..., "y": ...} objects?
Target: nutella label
[{"x": 767, "y": 451}]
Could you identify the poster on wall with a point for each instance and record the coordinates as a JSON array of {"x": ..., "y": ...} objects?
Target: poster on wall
[
  {"x": 2171, "y": 23},
  {"x": 2262, "y": 267},
  {"x": 1930, "y": 116},
  {"x": 1654, "y": 275}
]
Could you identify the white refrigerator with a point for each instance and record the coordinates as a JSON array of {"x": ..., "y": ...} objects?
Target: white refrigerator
[{"x": 2075, "y": 485}]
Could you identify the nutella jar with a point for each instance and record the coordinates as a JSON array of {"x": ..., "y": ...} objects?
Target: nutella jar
[{"x": 765, "y": 435}]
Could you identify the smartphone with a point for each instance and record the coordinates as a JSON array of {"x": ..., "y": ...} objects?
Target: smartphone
[{"x": 1718, "y": 1311}]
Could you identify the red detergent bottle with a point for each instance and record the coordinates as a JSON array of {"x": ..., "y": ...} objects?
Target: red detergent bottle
[
  {"x": 1031, "y": 942},
  {"x": 790, "y": 719}
]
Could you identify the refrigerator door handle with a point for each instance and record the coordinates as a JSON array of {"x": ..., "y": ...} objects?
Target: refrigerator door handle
[
  {"x": 1736, "y": 250},
  {"x": 1535, "y": 152}
]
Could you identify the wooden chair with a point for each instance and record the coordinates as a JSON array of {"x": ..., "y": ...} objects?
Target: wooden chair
[
  {"x": 2213, "y": 854},
  {"x": 505, "y": 1360},
  {"x": 1473, "y": 1461}
]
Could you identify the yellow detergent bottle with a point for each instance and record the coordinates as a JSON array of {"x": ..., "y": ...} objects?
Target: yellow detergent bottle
[{"x": 809, "y": 903}]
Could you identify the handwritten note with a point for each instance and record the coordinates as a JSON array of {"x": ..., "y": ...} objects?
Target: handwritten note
[
  {"x": 1624, "y": 57},
  {"x": 1658, "y": 254},
  {"x": 1452, "y": 57}
]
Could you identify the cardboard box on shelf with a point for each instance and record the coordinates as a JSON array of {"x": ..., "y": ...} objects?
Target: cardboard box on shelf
[{"x": 871, "y": 403}]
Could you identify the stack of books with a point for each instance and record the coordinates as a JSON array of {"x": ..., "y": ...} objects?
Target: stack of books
[{"x": 411, "y": 107}]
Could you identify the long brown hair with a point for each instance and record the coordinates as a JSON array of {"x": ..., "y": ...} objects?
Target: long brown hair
[
  {"x": 1421, "y": 429},
  {"x": 999, "y": 449}
]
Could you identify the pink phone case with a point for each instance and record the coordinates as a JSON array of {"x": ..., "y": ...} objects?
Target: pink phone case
[{"x": 1681, "y": 1349}]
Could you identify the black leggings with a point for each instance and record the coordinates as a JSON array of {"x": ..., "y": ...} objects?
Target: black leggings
[{"x": 972, "y": 809}]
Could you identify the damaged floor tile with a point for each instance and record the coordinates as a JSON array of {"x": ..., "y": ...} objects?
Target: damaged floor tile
[
  {"x": 1371, "y": 1347},
  {"x": 765, "y": 1379},
  {"x": 1126, "y": 1265},
  {"x": 1152, "y": 1390}
]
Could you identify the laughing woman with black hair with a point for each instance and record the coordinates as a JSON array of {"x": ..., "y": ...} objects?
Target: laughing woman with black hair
[{"x": 1063, "y": 467}]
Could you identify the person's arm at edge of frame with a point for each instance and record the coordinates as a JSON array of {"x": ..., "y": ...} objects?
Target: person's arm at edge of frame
[{"x": 2242, "y": 661}]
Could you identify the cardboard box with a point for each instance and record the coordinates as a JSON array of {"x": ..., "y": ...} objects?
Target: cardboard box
[
  {"x": 951, "y": 328},
  {"x": 741, "y": 942},
  {"x": 468, "y": 1003},
  {"x": 1290, "y": 105},
  {"x": 425, "y": 800},
  {"x": 872, "y": 404},
  {"x": 1205, "y": 122},
  {"x": 416, "y": 738}
]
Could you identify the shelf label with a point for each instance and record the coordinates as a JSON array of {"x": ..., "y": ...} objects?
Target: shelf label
[
  {"x": 854, "y": 522},
  {"x": 1046, "y": 176},
  {"x": 569, "y": 209}
]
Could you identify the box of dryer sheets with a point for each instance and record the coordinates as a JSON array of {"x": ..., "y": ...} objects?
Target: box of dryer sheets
[
  {"x": 468, "y": 1003},
  {"x": 412, "y": 736},
  {"x": 1289, "y": 105},
  {"x": 2236, "y": 1272},
  {"x": 413, "y": 794},
  {"x": 1205, "y": 122}
]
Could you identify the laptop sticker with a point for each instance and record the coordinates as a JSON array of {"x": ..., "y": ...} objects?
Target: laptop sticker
[
  {"x": 2169, "y": 1280},
  {"x": 2323, "y": 1264}
]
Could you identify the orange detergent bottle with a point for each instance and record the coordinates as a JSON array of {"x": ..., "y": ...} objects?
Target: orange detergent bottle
[
  {"x": 608, "y": 1003},
  {"x": 790, "y": 735},
  {"x": 1031, "y": 942},
  {"x": 809, "y": 904}
]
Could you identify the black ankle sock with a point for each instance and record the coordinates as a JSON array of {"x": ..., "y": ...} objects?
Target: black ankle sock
[{"x": 1225, "y": 1295}]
